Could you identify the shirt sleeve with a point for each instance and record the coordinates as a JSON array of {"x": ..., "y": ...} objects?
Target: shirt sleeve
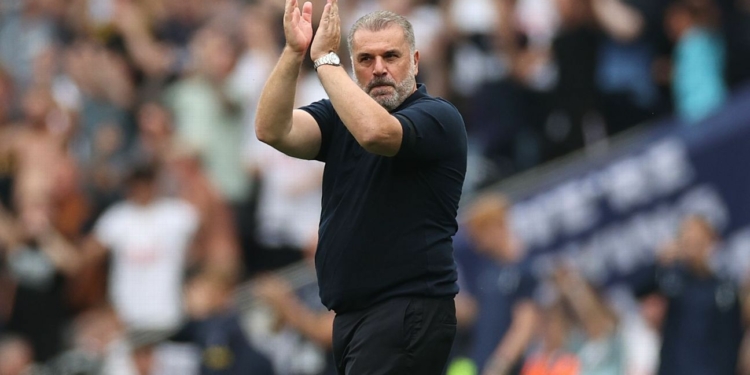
[
  {"x": 432, "y": 130},
  {"x": 324, "y": 114},
  {"x": 189, "y": 215},
  {"x": 527, "y": 288},
  {"x": 105, "y": 229}
]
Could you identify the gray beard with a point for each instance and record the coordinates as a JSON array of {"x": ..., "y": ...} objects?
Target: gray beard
[{"x": 401, "y": 92}]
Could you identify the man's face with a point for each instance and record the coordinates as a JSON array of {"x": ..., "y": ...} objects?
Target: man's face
[
  {"x": 696, "y": 241},
  {"x": 493, "y": 237},
  {"x": 383, "y": 65}
]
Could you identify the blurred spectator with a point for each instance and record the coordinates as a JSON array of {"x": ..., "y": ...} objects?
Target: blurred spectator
[
  {"x": 633, "y": 38},
  {"x": 146, "y": 274},
  {"x": 699, "y": 58},
  {"x": 641, "y": 333},
  {"x": 46, "y": 174},
  {"x": 598, "y": 344},
  {"x": 39, "y": 261},
  {"x": 143, "y": 354},
  {"x": 155, "y": 132},
  {"x": 554, "y": 355},
  {"x": 509, "y": 114},
  {"x": 735, "y": 26},
  {"x": 104, "y": 129},
  {"x": 573, "y": 121},
  {"x": 25, "y": 32},
  {"x": 303, "y": 342},
  {"x": 16, "y": 356},
  {"x": 470, "y": 25},
  {"x": 43, "y": 215},
  {"x": 216, "y": 244},
  {"x": 702, "y": 329},
  {"x": 208, "y": 113},
  {"x": 214, "y": 326},
  {"x": 254, "y": 65},
  {"x": 208, "y": 117},
  {"x": 507, "y": 316},
  {"x": 95, "y": 333},
  {"x": 289, "y": 194}
]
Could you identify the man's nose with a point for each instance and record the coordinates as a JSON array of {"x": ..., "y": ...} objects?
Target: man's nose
[{"x": 379, "y": 68}]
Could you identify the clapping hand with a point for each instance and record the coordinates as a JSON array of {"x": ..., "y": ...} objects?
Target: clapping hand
[
  {"x": 328, "y": 36},
  {"x": 298, "y": 26}
]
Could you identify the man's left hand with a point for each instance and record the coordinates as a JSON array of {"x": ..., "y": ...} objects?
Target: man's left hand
[{"x": 328, "y": 36}]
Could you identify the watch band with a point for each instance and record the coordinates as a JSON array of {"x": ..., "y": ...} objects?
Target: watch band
[{"x": 328, "y": 59}]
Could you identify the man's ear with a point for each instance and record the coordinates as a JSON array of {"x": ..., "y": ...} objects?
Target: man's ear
[{"x": 416, "y": 62}]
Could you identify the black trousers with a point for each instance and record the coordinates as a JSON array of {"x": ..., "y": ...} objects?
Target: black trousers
[{"x": 409, "y": 335}]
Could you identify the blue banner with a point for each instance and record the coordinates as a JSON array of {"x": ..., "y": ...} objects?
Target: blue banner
[{"x": 607, "y": 212}]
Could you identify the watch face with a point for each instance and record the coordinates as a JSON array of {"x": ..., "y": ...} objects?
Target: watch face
[{"x": 330, "y": 59}]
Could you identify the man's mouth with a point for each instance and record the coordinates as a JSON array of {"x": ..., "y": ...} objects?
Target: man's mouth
[{"x": 380, "y": 89}]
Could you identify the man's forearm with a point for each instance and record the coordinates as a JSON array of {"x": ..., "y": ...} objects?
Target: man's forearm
[
  {"x": 274, "y": 115},
  {"x": 307, "y": 322},
  {"x": 515, "y": 341},
  {"x": 368, "y": 121}
]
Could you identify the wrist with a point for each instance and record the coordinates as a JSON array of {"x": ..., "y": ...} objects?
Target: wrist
[
  {"x": 330, "y": 58},
  {"x": 296, "y": 55},
  {"x": 329, "y": 68},
  {"x": 318, "y": 54}
]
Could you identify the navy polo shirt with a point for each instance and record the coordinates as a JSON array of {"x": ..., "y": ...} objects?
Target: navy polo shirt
[
  {"x": 702, "y": 329},
  {"x": 387, "y": 223},
  {"x": 500, "y": 288}
]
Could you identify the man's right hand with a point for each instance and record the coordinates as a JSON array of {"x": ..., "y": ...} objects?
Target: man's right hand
[{"x": 298, "y": 26}]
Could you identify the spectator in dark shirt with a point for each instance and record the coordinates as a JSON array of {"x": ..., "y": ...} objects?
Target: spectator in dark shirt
[
  {"x": 214, "y": 326},
  {"x": 735, "y": 25},
  {"x": 702, "y": 329},
  {"x": 508, "y": 314},
  {"x": 573, "y": 122},
  {"x": 633, "y": 37}
]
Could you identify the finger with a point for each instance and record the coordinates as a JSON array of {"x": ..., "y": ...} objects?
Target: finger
[
  {"x": 288, "y": 6},
  {"x": 295, "y": 16},
  {"x": 333, "y": 14},
  {"x": 335, "y": 9},
  {"x": 326, "y": 14},
  {"x": 337, "y": 17},
  {"x": 307, "y": 9}
]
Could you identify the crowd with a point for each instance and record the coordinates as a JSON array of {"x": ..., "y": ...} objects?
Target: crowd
[
  {"x": 140, "y": 216},
  {"x": 679, "y": 313}
]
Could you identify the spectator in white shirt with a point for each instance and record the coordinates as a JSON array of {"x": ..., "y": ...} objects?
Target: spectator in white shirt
[{"x": 148, "y": 237}]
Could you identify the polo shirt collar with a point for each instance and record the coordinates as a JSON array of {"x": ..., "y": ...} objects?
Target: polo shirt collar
[{"x": 421, "y": 92}]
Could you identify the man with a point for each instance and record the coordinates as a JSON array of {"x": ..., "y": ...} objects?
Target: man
[
  {"x": 505, "y": 289},
  {"x": 702, "y": 328},
  {"x": 213, "y": 324},
  {"x": 395, "y": 164},
  {"x": 148, "y": 237}
]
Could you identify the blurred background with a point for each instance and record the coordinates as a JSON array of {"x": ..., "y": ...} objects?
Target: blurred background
[{"x": 605, "y": 225}]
